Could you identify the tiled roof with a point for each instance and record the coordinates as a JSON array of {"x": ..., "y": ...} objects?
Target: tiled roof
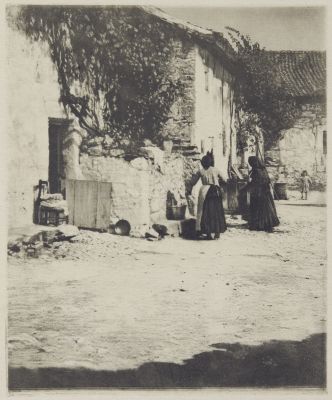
[
  {"x": 302, "y": 72},
  {"x": 187, "y": 26}
]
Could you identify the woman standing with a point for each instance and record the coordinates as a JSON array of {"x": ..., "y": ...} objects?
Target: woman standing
[
  {"x": 210, "y": 212},
  {"x": 262, "y": 211}
]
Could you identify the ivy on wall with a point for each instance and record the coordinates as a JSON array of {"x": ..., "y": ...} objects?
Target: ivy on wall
[
  {"x": 113, "y": 64},
  {"x": 116, "y": 76}
]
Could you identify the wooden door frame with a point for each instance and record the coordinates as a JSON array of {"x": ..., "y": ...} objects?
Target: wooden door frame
[{"x": 61, "y": 123}]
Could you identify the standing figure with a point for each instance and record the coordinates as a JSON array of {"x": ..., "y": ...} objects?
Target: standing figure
[
  {"x": 262, "y": 211},
  {"x": 210, "y": 212},
  {"x": 305, "y": 185}
]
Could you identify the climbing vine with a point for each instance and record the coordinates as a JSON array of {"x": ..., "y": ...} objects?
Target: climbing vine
[
  {"x": 263, "y": 105},
  {"x": 113, "y": 66}
]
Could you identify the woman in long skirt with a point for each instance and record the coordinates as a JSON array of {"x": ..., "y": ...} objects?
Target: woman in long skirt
[
  {"x": 262, "y": 211},
  {"x": 210, "y": 217}
]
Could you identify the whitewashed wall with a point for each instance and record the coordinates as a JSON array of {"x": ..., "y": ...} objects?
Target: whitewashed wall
[
  {"x": 301, "y": 147},
  {"x": 32, "y": 97},
  {"x": 214, "y": 111}
]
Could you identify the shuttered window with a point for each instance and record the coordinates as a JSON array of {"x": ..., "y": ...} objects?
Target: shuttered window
[{"x": 324, "y": 142}]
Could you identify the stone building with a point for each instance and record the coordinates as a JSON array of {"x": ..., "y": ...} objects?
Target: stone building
[
  {"x": 304, "y": 145},
  {"x": 46, "y": 142},
  {"x": 32, "y": 97}
]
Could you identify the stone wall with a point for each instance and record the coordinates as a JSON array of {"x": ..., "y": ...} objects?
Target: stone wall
[
  {"x": 140, "y": 185},
  {"x": 203, "y": 112},
  {"x": 181, "y": 117},
  {"x": 200, "y": 113},
  {"x": 32, "y": 97},
  {"x": 204, "y": 117},
  {"x": 168, "y": 181},
  {"x": 130, "y": 185},
  {"x": 301, "y": 148},
  {"x": 214, "y": 109}
]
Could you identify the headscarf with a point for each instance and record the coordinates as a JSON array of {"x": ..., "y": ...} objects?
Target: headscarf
[
  {"x": 206, "y": 162},
  {"x": 210, "y": 155},
  {"x": 258, "y": 172},
  {"x": 255, "y": 162}
]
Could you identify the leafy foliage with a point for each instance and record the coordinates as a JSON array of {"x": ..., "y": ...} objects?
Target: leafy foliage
[
  {"x": 116, "y": 76},
  {"x": 113, "y": 66},
  {"x": 263, "y": 104}
]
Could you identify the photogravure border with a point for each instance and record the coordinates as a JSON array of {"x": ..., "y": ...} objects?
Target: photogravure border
[{"x": 246, "y": 394}]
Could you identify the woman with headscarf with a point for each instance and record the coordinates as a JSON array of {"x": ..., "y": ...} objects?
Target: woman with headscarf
[
  {"x": 210, "y": 217},
  {"x": 262, "y": 211}
]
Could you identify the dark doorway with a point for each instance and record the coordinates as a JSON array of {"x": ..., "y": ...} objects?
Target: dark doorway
[{"x": 56, "y": 131}]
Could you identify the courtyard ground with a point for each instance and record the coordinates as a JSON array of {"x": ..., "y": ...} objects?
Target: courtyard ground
[{"x": 106, "y": 310}]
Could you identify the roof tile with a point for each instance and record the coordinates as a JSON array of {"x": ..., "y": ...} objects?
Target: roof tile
[{"x": 303, "y": 73}]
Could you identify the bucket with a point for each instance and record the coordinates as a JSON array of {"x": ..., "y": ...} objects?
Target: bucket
[
  {"x": 122, "y": 227},
  {"x": 168, "y": 146},
  {"x": 176, "y": 212}
]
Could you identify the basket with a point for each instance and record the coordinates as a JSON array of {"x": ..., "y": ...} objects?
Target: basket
[
  {"x": 176, "y": 212},
  {"x": 48, "y": 216}
]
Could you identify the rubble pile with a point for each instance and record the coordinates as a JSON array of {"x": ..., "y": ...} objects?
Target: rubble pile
[
  {"x": 92, "y": 244},
  {"x": 67, "y": 241},
  {"x": 34, "y": 246}
]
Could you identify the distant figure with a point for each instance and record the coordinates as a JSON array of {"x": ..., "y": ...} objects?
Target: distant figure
[
  {"x": 305, "y": 185},
  {"x": 262, "y": 211},
  {"x": 210, "y": 212}
]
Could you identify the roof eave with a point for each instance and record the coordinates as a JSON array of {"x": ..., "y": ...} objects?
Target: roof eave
[{"x": 206, "y": 38}]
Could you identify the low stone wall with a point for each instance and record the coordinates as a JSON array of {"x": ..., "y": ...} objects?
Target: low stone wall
[
  {"x": 140, "y": 186},
  {"x": 130, "y": 186},
  {"x": 169, "y": 181}
]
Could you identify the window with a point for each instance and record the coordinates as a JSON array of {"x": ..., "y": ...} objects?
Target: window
[
  {"x": 224, "y": 140},
  {"x": 324, "y": 142},
  {"x": 206, "y": 72},
  {"x": 203, "y": 146}
]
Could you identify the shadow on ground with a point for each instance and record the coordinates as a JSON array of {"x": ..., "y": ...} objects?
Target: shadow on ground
[
  {"x": 188, "y": 228},
  {"x": 304, "y": 205},
  {"x": 271, "y": 364}
]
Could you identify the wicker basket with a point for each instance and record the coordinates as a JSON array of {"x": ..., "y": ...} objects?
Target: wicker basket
[
  {"x": 53, "y": 217},
  {"x": 176, "y": 213}
]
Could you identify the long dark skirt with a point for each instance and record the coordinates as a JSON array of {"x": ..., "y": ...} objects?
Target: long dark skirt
[
  {"x": 213, "y": 216},
  {"x": 262, "y": 211}
]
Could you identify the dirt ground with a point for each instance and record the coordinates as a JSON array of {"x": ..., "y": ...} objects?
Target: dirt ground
[{"x": 107, "y": 302}]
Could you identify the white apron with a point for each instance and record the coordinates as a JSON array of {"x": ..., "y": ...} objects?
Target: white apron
[{"x": 201, "y": 197}]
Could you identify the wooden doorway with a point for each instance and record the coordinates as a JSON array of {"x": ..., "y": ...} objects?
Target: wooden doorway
[{"x": 57, "y": 127}]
